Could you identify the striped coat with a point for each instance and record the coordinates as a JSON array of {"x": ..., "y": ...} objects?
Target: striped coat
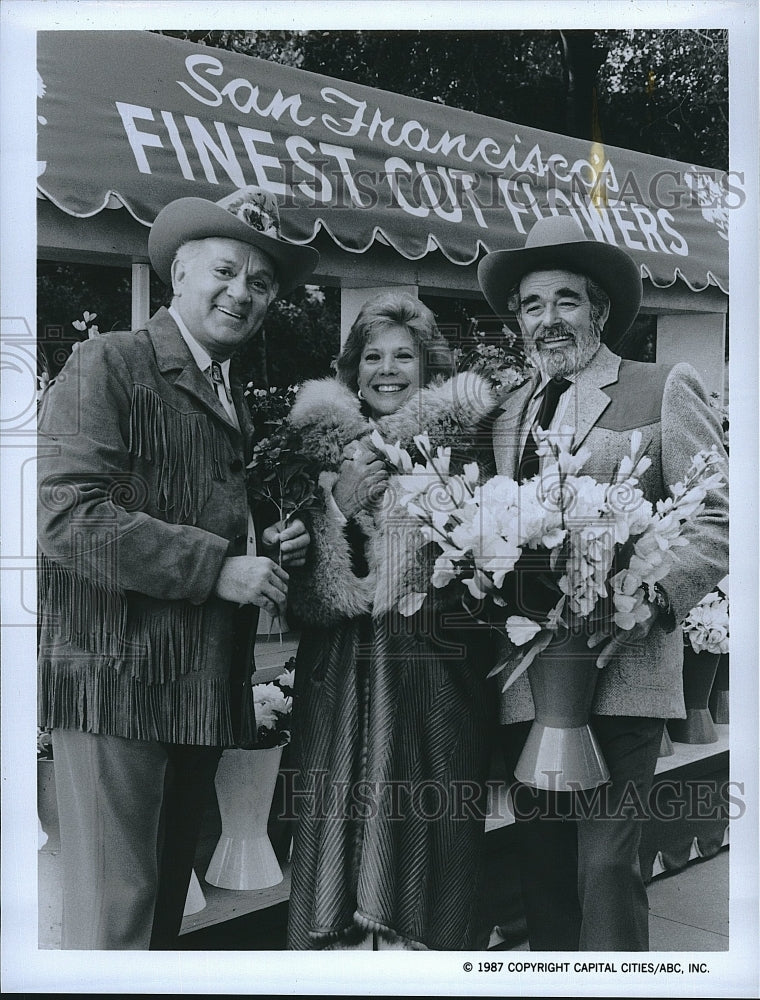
[{"x": 392, "y": 715}]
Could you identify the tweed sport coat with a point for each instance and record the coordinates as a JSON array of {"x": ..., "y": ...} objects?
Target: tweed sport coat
[
  {"x": 141, "y": 497},
  {"x": 610, "y": 399}
]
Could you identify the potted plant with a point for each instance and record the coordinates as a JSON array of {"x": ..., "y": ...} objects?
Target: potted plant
[
  {"x": 47, "y": 806},
  {"x": 705, "y": 640},
  {"x": 245, "y": 781}
]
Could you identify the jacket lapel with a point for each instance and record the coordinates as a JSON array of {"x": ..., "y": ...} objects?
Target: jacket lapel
[
  {"x": 173, "y": 356},
  {"x": 507, "y": 428},
  {"x": 587, "y": 401}
]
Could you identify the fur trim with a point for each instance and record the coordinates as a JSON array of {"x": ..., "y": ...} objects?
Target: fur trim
[
  {"x": 447, "y": 412},
  {"x": 327, "y": 416},
  {"x": 326, "y": 591}
]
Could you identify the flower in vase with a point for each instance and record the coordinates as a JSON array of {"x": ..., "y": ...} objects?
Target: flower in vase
[
  {"x": 273, "y": 707},
  {"x": 706, "y": 625}
]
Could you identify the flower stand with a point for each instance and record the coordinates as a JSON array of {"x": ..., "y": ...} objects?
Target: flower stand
[
  {"x": 195, "y": 901},
  {"x": 244, "y": 857},
  {"x": 666, "y": 744},
  {"x": 562, "y": 752},
  {"x": 699, "y": 671},
  {"x": 47, "y": 807},
  {"x": 719, "y": 694}
]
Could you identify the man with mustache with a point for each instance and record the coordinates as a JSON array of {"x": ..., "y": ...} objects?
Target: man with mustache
[
  {"x": 150, "y": 579},
  {"x": 582, "y": 887}
]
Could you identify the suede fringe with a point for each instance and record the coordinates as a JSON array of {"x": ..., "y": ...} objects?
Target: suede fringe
[
  {"x": 188, "y": 453},
  {"x": 95, "y": 616},
  {"x": 93, "y": 698},
  {"x": 151, "y": 644}
]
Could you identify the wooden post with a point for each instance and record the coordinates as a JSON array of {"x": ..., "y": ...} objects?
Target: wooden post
[
  {"x": 700, "y": 339},
  {"x": 140, "y": 295}
]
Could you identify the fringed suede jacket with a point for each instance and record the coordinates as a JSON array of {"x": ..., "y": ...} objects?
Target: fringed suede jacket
[
  {"x": 141, "y": 498},
  {"x": 328, "y": 416}
]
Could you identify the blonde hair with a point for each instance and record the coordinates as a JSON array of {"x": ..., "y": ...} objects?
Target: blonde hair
[{"x": 394, "y": 309}]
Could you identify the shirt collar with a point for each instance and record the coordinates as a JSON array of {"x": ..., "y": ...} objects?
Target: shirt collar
[
  {"x": 544, "y": 380},
  {"x": 200, "y": 355}
]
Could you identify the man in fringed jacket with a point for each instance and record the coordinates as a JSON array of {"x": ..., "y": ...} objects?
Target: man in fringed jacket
[{"x": 149, "y": 583}]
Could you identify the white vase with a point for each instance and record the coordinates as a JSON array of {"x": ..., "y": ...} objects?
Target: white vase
[
  {"x": 49, "y": 832},
  {"x": 195, "y": 901},
  {"x": 244, "y": 857}
]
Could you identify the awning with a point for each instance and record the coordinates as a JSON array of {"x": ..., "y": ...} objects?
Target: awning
[{"x": 139, "y": 119}]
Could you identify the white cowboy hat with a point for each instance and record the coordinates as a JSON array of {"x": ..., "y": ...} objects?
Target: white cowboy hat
[
  {"x": 249, "y": 214},
  {"x": 559, "y": 243}
]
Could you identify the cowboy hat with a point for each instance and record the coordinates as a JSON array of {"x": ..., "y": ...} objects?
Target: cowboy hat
[
  {"x": 249, "y": 214},
  {"x": 559, "y": 243}
]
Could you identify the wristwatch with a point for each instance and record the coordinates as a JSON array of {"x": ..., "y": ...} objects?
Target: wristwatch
[{"x": 661, "y": 601}]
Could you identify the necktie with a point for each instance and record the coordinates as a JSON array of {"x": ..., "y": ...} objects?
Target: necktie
[
  {"x": 218, "y": 379},
  {"x": 224, "y": 394},
  {"x": 529, "y": 461}
]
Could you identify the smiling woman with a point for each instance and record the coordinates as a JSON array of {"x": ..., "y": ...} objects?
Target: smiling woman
[
  {"x": 390, "y": 330},
  {"x": 391, "y": 715},
  {"x": 389, "y": 370}
]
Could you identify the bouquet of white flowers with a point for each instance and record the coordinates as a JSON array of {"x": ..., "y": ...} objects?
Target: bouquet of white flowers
[
  {"x": 706, "y": 625},
  {"x": 597, "y": 548},
  {"x": 273, "y": 706}
]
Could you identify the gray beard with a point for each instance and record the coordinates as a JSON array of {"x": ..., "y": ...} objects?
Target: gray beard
[{"x": 564, "y": 361}]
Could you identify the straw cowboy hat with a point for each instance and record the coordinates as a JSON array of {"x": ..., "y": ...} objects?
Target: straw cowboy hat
[
  {"x": 249, "y": 214},
  {"x": 559, "y": 243}
]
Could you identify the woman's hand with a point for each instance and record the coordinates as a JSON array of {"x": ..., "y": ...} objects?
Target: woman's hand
[
  {"x": 359, "y": 485},
  {"x": 287, "y": 542}
]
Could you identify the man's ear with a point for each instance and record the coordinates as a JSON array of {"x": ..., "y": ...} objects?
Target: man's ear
[
  {"x": 605, "y": 315},
  {"x": 178, "y": 276}
]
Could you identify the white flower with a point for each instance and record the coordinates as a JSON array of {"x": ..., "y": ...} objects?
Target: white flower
[
  {"x": 287, "y": 679},
  {"x": 521, "y": 630},
  {"x": 706, "y": 625},
  {"x": 269, "y": 702},
  {"x": 444, "y": 572},
  {"x": 471, "y": 473},
  {"x": 410, "y": 604}
]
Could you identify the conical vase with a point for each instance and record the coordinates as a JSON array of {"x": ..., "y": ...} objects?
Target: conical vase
[
  {"x": 666, "y": 744},
  {"x": 47, "y": 807},
  {"x": 719, "y": 693},
  {"x": 244, "y": 857},
  {"x": 699, "y": 671},
  {"x": 195, "y": 901},
  {"x": 561, "y": 752}
]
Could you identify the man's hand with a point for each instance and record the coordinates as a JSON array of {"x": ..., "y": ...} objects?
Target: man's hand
[
  {"x": 361, "y": 475},
  {"x": 253, "y": 580},
  {"x": 293, "y": 540}
]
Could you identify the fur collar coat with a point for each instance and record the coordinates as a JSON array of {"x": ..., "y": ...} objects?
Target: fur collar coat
[{"x": 328, "y": 416}]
